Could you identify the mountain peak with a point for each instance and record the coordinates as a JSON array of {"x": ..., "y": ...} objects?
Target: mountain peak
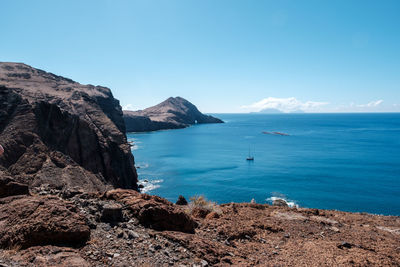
[{"x": 172, "y": 113}]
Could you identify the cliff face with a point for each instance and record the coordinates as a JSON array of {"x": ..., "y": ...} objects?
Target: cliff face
[
  {"x": 57, "y": 131},
  {"x": 173, "y": 113}
]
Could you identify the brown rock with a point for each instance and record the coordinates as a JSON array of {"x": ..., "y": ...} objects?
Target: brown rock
[
  {"x": 153, "y": 211},
  {"x": 27, "y": 221},
  {"x": 199, "y": 212},
  {"x": 280, "y": 202},
  {"x": 50, "y": 256},
  {"x": 9, "y": 187}
]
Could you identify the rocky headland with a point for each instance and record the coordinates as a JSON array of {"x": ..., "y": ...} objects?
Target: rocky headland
[
  {"x": 173, "y": 113},
  {"x": 62, "y": 133},
  {"x": 68, "y": 198}
]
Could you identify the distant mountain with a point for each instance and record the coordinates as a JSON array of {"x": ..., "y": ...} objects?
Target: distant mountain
[
  {"x": 270, "y": 111},
  {"x": 297, "y": 111},
  {"x": 173, "y": 113},
  {"x": 277, "y": 111}
]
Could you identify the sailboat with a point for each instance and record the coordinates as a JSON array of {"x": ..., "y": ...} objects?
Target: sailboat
[{"x": 250, "y": 158}]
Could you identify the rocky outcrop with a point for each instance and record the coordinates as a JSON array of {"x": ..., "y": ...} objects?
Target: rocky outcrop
[
  {"x": 57, "y": 131},
  {"x": 51, "y": 256},
  {"x": 153, "y": 211},
  {"x": 29, "y": 221},
  {"x": 173, "y": 113}
]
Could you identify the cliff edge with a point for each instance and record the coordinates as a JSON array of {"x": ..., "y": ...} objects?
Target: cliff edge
[
  {"x": 173, "y": 113},
  {"x": 59, "y": 132}
]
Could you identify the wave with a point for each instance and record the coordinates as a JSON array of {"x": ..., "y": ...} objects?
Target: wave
[
  {"x": 134, "y": 143},
  {"x": 149, "y": 185},
  {"x": 134, "y": 147},
  {"x": 290, "y": 203}
]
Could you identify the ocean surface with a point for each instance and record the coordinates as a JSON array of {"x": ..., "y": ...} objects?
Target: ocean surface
[{"x": 348, "y": 162}]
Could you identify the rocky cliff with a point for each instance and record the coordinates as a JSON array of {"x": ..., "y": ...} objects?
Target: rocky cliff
[
  {"x": 173, "y": 113},
  {"x": 59, "y": 132}
]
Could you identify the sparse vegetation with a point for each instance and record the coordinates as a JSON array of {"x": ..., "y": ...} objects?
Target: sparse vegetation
[{"x": 202, "y": 203}]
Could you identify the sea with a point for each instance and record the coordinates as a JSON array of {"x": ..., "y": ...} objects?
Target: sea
[{"x": 347, "y": 162}]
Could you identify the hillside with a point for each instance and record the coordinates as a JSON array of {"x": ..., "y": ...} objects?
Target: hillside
[{"x": 173, "y": 113}]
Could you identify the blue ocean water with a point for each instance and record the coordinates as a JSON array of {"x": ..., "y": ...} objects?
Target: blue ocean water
[{"x": 348, "y": 162}]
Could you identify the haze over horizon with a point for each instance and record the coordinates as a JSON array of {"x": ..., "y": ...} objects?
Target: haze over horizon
[{"x": 223, "y": 56}]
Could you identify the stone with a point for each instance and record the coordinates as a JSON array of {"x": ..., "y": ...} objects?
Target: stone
[
  {"x": 30, "y": 221},
  {"x": 51, "y": 256},
  {"x": 345, "y": 244},
  {"x": 204, "y": 263},
  {"x": 153, "y": 211},
  {"x": 132, "y": 234},
  {"x": 280, "y": 202}
]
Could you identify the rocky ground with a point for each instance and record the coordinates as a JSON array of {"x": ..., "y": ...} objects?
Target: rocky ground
[{"x": 52, "y": 227}]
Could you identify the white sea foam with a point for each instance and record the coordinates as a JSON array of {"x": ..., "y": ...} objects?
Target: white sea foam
[
  {"x": 134, "y": 147},
  {"x": 149, "y": 185},
  {"x": 290, "y": 203},
  {"x": 134, "y": 143}
]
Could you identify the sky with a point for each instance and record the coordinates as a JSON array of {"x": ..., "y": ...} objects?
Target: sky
[{"x": 225, "y": 56}]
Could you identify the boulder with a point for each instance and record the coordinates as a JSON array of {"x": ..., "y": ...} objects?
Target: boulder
[
  {"x": 50, "y": 256},
  {"x": 27, "y": 221},
  {"x": 181, "y": 201},
  {"x": 153, "y": 211},
  {"x": 280, "y": 202},
  {"x": 199, "y": 212}
]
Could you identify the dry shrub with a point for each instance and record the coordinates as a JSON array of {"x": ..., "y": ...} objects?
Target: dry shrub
[{"x": 201, "y": 203}]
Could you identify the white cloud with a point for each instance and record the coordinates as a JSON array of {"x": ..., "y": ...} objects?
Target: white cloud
[
  {"x": 371, "y": 104},
  {"x": 127, "y": 107},
  {"x": 286, "y": 105}
]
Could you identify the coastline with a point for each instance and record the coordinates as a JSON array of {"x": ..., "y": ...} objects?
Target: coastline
[{"x": 62, "y": 202}]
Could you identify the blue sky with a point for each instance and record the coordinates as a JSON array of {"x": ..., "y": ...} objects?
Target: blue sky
[{"x": 223, "y": 55}]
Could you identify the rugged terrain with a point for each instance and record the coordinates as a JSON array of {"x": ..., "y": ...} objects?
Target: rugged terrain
[
  {"x": 66, "y": 152},
  {"x": 59, "y": 132},
  {"x": 126, "y": 228},
  {"x": 173, "y": 113}
]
